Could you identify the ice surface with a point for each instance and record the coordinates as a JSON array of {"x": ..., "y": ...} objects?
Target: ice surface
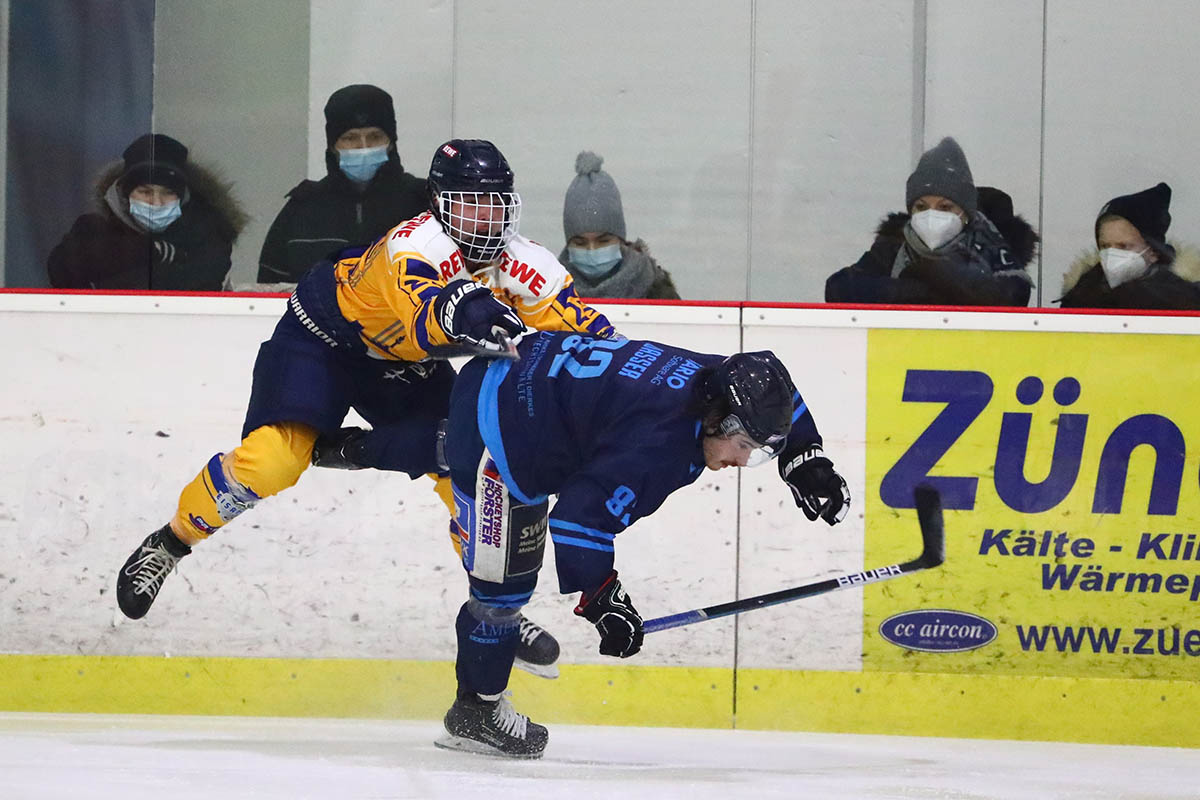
[{"x": 84, "y": 757}]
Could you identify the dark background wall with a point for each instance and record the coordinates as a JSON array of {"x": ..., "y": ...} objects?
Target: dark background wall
[{"x": 80, "y": 88}]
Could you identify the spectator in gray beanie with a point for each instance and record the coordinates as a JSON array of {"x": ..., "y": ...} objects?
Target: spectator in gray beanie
[
  {"x": 597, "y": 254},
  {"x": 955, "y": 245}
]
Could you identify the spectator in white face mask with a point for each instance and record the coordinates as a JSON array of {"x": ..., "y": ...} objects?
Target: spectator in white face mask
[
  {"x": 598, "y": 256},
  {"x": 1133, "y": 265},
  {"x": 956, "y": 245}
]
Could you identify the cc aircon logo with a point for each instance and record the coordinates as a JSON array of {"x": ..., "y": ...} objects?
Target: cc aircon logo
[{"x": 938, "y": 630}]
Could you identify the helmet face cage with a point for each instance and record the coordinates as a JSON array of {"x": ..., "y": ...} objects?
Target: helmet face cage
[
  {"x": 760, "y": 452},
  {"x": 480, "y": 223}
]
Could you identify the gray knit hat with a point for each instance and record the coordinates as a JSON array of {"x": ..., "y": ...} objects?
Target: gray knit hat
[
  {"x": 592, "y": 204},
  {"x": 943, "y": 171}
]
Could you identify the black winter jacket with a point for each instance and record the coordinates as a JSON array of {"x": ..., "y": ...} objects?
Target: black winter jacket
[
  {"x": 993, "y": 274},
  {"x": 325, "y": 216},
  {"x": 109, "y": 250},
  {"x": 1172, "y": 286}
]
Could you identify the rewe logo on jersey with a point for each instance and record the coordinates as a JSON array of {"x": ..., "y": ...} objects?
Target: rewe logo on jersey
[{"x": 523, "y": 273}]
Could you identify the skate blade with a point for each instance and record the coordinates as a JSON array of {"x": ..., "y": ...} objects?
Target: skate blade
[
  {"x": 448, "y": 741},
  {"x": 548, "y": 671}
]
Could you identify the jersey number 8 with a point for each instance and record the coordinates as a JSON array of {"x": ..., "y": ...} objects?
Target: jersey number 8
[{"x": 620, "y": 500}]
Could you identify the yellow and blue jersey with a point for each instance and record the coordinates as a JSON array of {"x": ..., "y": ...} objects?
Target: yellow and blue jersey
[{"x": 387, "y": 293}]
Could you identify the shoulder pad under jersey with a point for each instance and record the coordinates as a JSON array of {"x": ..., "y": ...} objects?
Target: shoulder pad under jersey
[
  {"x": 527, "y": 269},
  {"x": 422, "y": 235}
]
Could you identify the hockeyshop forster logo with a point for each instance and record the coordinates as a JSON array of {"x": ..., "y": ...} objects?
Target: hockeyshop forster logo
[{"x": 938, "y": 630}]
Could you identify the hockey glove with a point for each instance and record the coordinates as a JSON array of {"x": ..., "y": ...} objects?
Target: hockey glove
[
  {"x": 340, "y": 450},
  {"x": 469, "y": 313},
  {"x": 613, "y": 614},
  {"x": 818, "y": 489}
]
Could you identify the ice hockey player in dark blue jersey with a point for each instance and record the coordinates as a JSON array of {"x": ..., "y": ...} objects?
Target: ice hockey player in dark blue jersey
[{"x": 612, "y": 427}]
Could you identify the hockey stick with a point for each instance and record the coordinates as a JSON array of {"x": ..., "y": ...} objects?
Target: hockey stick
[
  {"x": 507, "y": 351},
  {"x": 510, "y": 347},
  {"x": 933, "y": 553}
]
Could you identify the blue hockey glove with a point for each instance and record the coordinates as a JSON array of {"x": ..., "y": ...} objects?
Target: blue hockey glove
[
  {"x": 818, "y": 489},
  {"x": 613, "y": 614},
  {"x": 469, "y": 313}
]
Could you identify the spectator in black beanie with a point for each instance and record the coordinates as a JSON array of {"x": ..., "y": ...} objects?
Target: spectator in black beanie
[
  {"x": 956, "y": 245},
  {"x": 162, "y": 222},
  {"x": 1134, "y": 266},
  {"x": 364, "y": 193}
]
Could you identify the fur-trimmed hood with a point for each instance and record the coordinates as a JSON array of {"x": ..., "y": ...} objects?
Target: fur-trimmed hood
[
  {"x": 997, "y": 207},
  {"x": 1186, "y": 264},
  {"x": 204, "y": 182}
]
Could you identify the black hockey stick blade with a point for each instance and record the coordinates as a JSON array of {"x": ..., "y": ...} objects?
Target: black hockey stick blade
[
  {"x": 933, "y": 553},
  {"x": 933, "y": 533}
]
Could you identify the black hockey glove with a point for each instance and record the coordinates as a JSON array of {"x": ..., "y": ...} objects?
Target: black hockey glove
[
  {"x": 340, "y": 450},
  {"x": 818, "y": 489},
  {"x": 613, "y": 614},
  {"x": 468, "y": 312}
]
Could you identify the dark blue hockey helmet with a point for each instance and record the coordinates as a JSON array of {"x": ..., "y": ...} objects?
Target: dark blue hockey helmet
[
  {"x": 752, "y": 393},
  {"x": 471, "y": 194}
]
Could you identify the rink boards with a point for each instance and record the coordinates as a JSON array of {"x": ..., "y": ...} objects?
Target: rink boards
[{"x": 1065, "y": 610}]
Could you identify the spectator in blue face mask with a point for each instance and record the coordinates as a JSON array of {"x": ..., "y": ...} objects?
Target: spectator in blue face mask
[
  {"x": 599, "y": 257},
  {"x": 364, "y": 193},
  {"x": 162, "y": 222}
]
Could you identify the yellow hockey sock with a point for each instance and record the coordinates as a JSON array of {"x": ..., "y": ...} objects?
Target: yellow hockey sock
[
  {"x": 269, "y": 460},
  {"x": 441, "y": 485}
]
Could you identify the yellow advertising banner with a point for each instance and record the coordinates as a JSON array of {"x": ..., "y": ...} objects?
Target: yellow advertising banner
[{"x": 1072, "y": 502}]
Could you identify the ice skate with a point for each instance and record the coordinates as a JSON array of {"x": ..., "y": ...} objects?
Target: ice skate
[
  {"x": 537, "y": 650},
  {"x": 143, "y": 574},
  {"x": 492, "y": 728}
]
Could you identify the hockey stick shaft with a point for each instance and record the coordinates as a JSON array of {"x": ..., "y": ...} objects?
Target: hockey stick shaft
[{"x": 929, "y": 517}]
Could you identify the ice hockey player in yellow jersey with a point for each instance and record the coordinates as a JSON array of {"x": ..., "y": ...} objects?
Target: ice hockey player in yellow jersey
[{"x": 370, "y": 331}]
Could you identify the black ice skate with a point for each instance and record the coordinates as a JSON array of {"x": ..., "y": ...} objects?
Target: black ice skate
[
  {"x": 143, "y": 574},
  {"x": 537, "y": 650},
  {"x": 492, "y": 728}
]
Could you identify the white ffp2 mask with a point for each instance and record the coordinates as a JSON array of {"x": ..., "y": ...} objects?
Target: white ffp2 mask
[
  {"x": 936, "y": 227},
  {"x": 1121, "y": 266}
]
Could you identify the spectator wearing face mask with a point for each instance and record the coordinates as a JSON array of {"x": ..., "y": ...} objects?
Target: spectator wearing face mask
[
  {"x": 598, "y": 256},
  {"x": 1134, "y": 266},
  {"x": 957, "y": 245},
  {"x": 162, "y": 222},
  {"x": 364, "y": 193}
]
